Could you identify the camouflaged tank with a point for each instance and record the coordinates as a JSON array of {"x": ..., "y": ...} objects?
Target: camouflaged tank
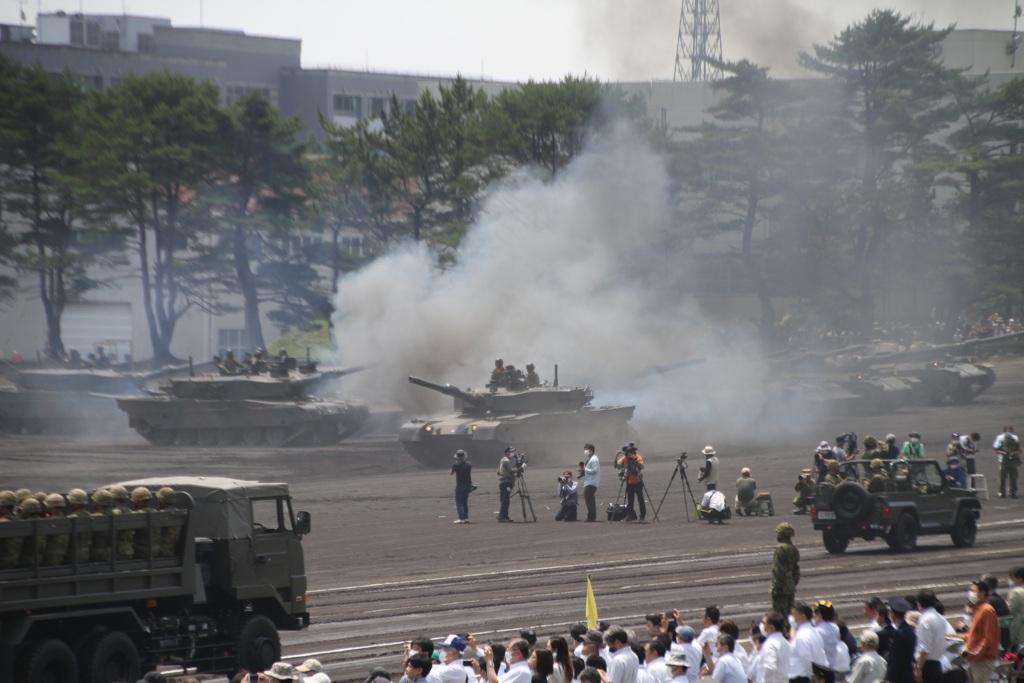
[
  {"x": 283, "y": 407},
  {"x": 542, "y": 422},
  {"x": 64, "y": 400}
]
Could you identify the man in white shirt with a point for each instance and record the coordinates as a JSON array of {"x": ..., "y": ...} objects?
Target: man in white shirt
[
  {"x": 806, "y": 647},
  {"x": 773, "y": 664},
  {"x": 678, "y": 666},
  {"x": 869, "y": 666},
  {"x": 710, "y": 628},
  {"x": 931, "y": 639},
  {"x": 685, "y": 635},
  {"x": 518, "y": 671},
  {"x": 624, "y": 664},
  {"x": 654, "y": 661},
  {"x": 727, "y": 668},
  {"x": 450, "y": 669},
  {"x": 591, "y": 480}
]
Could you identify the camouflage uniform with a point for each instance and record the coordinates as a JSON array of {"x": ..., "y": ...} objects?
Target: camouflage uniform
[
  {"x": 532, "y": 378},
  {"x": 56, "y": 544},
  {"x": 143, "y": 537},
  {"x": 169, "y": 535},
  {"x": 10, "y": 548},
  {"x": 36, "y": 546},
  {"x": 878, "y": 480},
  {"x": 785, "y": 569},
  {"x": 125, "y": 537},
  {"x": 99, "y": 548},
  {"x": 78, "y": 500},
  {"x": 804, "y": 491},
  {"x": 833, "y": 476}
]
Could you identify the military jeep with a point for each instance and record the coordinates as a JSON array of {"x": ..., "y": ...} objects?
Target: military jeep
[{"x": 915, "y": 499}]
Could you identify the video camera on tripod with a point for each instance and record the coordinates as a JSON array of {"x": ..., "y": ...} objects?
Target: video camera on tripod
[
  {"x": 519, "y": 462},
  {"x": 627, "y": 462}
]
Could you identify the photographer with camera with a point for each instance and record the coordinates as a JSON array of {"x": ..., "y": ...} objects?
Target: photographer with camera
[
  {"x": 630, "y": 464},
  {"x": 506, "y": 477},
  {"x": 462, "y": 470},
  {"x": 590, "y": 470},
  {"x": 709, "y": 471},
  {"x": 567, "y": 493}
]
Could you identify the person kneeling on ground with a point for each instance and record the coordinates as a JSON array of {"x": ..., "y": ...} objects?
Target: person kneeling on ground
[
  {"x": 568, "y": 493},
  {"x": 713, "y": 507},
  {"x": 746, "y": 494}
]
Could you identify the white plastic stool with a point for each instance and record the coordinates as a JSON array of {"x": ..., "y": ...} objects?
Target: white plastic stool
[{"x": 978, "y": 485}]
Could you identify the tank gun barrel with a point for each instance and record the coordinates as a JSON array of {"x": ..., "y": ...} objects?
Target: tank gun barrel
[{"x": 449, "y": 390}]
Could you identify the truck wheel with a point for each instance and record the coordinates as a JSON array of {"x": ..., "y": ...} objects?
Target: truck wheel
[
  {"x": 112, "y": 658},
  {"x": 965, "y": 530},
  {"x": 850, "y": 501},
  {"x": 835, "y": 543},
  {"x": 903, "y": 537},
  {"x": 258, "y": 644},
  {"x": 50, "y": 661}
]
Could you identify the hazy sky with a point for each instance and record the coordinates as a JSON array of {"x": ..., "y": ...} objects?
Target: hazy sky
[{"x": 522, "y": 39}]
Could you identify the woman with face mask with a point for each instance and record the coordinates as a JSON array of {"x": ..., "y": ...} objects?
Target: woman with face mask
[{"x": 912, "y": 449}]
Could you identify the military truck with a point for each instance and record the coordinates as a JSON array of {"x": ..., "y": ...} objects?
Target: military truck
[
  {"x": 914, "y": 500},
  {"x": 214, "y": 605}
]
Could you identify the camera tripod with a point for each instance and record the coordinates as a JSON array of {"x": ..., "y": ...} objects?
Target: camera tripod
[
  {"x": 519, "y": 489},
  {"x": 643, "y": 490},
  {"x": 681, "y": 471}
]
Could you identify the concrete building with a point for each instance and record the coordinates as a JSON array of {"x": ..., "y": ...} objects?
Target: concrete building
[{"x": 102, "y": 48}]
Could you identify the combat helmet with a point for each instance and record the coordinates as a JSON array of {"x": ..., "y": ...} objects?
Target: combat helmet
[
  {"x": 55, "y": 500},
  {"x": 30, "y": 506},
  {"x": 22, "y": 494},
  {"x": 870, "y": 442},
  {"x": 141, "y": 493},
  {"x": 103, "y": 497},
  {"x": 8, "y": 498},
  {"x": 119, "y": 492},
  {"x": 785, "y": 530},
  {"x": 876, "y": 463},
  {"x": 165, "y": 495},
  {"x": 78, "y": 497},
  {"x": 833, "y": 465}
]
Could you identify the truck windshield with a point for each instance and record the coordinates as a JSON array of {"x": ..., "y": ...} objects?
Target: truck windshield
[{"x": 271, "y": 514}]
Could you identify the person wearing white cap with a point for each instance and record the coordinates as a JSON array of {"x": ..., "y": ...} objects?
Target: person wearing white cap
[
  {"x": 309, "y": 667},
  {"x": 709, "y": 470},
  {"x": 869, "y": 666},
  {"x": 746, "y": 493}
]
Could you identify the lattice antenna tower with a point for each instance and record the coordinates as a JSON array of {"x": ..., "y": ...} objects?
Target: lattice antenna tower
[{"x": 700, "y": 40}]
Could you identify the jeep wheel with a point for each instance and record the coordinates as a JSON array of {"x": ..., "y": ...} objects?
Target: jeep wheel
[
  {"x": 835, "y": 543},
  {"x": 903, "y": 537},
  {"x": 851, "y": 501},
  {"x": 965, "y": 530}
]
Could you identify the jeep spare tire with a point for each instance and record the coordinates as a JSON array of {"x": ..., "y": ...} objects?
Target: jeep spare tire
[{"x": 850, "y": 501}]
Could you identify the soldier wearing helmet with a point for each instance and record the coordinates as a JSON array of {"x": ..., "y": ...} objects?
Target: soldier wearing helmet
[
  {"x": 31, "y": 551},
  {"x": 532, "y": 378},
  {"x": 878, "y": 478},
  {"x": 144, "y": 538},
  {"x": 21, "y": 494},
  {"x": 10, "y": 548},
  {"x": 79, "y": 500},
  {"x": 125, "y": 548},
  {"x": 498, "y": 375},
  {"x": 99, "y": 548},
  {"x": 833, "y": 477},
  {"x": 56, "y": 544},
  {"x": 785, "y": 569},
  {"x": 169, "y": 535}
]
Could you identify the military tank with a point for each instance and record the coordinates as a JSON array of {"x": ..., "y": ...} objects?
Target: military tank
[
  {"x": 66, "y": 400},
  {"x": 542, "y": 422},
  {"x": 280, "y": 408}
]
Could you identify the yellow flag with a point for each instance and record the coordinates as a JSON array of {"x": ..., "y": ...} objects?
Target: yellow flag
[{"x": 591, "y": 605}]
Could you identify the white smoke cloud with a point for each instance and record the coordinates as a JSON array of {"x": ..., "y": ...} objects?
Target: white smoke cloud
[{"x": 572, "y": 271}]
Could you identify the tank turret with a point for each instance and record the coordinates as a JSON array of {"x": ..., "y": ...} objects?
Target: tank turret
[
  {"x": 544, "y": 422},
  {"x": 275, "y": 409}
]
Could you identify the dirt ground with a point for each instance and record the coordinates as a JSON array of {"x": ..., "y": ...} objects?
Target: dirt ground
[{"x": 385, "y": 562}]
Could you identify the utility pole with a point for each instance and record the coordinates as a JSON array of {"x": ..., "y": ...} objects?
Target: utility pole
[{"x": 700, "y": 40}]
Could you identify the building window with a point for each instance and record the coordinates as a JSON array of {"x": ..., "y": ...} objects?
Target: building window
[
  {"x": 345, "y": 104},
  {"x": 378, "y": 105},
  {"x": 230, "y": 340},
  {"x": 145, "y": 42},
  {"x": 92, "y": 83},
  {"x": 111, "y": 41},
  {"x": 233, "y": 93},
  {"x": 352, "y": 246},
  {"x": 409, "y": 106}
]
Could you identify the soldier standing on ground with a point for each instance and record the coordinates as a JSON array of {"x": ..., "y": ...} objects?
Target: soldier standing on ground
[{"x": 785, "y": 569}]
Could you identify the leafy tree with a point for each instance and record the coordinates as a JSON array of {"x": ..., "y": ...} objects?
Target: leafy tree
[
  {"x": 254, "y": 206},
  {"x": 987, "y": 178},
  {"x": 147, "y": 148},
  {"x": 883, "y": 112},
  {"x": 734, "y": 167},
  {"x": 38, "y": 128}
]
